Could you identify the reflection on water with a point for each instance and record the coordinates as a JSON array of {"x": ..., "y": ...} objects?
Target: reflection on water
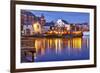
[{"x": 60, "y": 49}]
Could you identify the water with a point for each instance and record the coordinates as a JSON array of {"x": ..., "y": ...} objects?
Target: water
[{"x": 58, "y": 49}]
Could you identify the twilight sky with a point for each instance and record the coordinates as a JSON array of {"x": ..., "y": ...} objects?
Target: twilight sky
[{"x": 71, "y": 17}]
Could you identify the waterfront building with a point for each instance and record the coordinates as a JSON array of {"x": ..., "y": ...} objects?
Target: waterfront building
[
  {"x": 30, "y": 23},
  {"x": 27, "y": 19},
  {"x": 62, "y": 25},
  {"x": 42, "y": 20},
  {"x": 37, "y": 28},
  {"x": 48, "y": 26}
]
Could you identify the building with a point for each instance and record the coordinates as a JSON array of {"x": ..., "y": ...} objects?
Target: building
[
  {"x": 27, "y": 19},
  {"x": 42, "y": 20},
  {"x": 30, "y": 23},
  {"x": 82, "y": 27},
  {"x": 37, "y": 28},
  {"x": 62, "y": 25},
  {"x": 48, "y": 26}
]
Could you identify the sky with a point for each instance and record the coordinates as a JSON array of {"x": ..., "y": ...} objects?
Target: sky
[{"x": 71, "y": 17}]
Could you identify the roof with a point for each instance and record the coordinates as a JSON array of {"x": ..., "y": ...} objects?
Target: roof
[
  {"x": 65, "y": 21},
  {"x": 49, "y": 24},
  {"x": 27, "y": 12}
]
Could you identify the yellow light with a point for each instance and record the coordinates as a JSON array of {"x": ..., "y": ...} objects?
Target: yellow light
[
  {"x": 39, "y": 45},
  {"x": 50, "y": 32},
  {"x": 77, "y": 43},
  {"x": 77, "y": 32},
  {"x": 56, "y": 45},
  {"x": 37, "y": 27},
  {"x": 62, "y": 32},
  {"x": 56, "y": 32},
  {"x": 69, "y": 43}
]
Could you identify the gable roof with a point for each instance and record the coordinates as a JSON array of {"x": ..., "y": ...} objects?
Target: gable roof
[{"x": 49, "y": 24}]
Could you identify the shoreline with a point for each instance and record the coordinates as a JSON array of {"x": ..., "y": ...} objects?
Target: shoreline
[{"x": 52, "y": 36}]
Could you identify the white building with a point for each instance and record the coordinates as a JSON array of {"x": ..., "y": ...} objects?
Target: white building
[
  {"x": 59, "y": 23},
  {"x": 62, "y": 23},
  {"x": 27, "y": 30}
]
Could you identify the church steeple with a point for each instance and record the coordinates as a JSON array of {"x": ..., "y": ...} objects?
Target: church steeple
[
  {"x": 42, "y": 15},
  {"x": 42, "y": 19}
]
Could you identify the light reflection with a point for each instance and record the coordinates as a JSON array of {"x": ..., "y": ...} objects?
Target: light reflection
[
  {"x": 44, "y": 44},
  {"x": 51, "y": 43},
  {"x": 58, "y": 45},
  {"x": 77, "y": 43},
  {"x": 47, "y": 49},
  {"x": 69, "y": 43}
]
